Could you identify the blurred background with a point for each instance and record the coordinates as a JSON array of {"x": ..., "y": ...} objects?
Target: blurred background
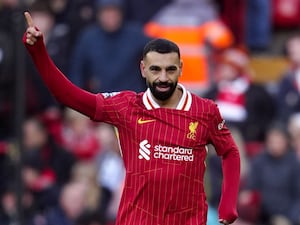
[{"x": 244, "y": 54}]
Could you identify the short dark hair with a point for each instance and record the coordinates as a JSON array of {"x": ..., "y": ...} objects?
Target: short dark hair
[{"x": 162, "y": 46}]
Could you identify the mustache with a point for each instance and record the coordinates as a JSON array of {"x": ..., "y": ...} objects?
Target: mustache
[{"x": 163, "y": 84}]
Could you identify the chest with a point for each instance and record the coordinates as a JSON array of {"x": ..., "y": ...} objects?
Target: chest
[{"x": 169, "y": 127}]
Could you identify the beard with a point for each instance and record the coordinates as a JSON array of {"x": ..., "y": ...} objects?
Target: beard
[{"x": 162, "y": 95}]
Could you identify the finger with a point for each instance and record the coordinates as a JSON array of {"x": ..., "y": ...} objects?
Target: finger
[
  {"x": 29, "y": 41},
  {"x": 32, "y": 39},
  {"x": 29, "y": 20},
  {"x": 32, "y": 31}
]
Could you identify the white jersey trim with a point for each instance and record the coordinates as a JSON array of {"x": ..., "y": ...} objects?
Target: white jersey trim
[{"x": 184, "y": 103}]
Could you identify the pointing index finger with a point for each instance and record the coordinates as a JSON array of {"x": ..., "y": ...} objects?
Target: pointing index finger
[{"x": 28, "y": 19}]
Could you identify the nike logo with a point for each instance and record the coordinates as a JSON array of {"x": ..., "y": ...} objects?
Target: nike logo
[{"x": 141, "y": 121}]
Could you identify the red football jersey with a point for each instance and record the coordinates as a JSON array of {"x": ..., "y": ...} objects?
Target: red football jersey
[{"x": 164, "y": 153}]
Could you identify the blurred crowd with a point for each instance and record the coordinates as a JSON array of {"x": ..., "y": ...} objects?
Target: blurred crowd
[{"x": 71, "y": 167}]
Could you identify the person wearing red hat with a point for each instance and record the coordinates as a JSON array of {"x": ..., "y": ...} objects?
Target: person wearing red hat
[{"x": 244, "y": 104}]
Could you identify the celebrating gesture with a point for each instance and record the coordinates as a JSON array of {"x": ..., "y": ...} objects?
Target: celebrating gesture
[
  {"x": 164, "y": 155},
  {"x": 32, "y": 34}
]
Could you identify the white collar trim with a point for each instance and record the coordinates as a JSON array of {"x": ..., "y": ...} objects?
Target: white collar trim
[{"x": 184, "y": 103}]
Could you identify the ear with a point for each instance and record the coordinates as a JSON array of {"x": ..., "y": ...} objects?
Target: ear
[
  {"x": 180, "y": 67},
  {"x": 142, "y": 68}
]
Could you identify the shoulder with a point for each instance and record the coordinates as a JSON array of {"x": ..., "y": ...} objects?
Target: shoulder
[
  {"x": 260, "y": 159},
  {"x": 205, "y": 108},
  {"x": 133, "y": 26},
  {"x": 211, "y": 92},
  {"x": 128, "y": 96},
  {"x": 204, "y": 102},
  {"x": 89, "y": 32},
  {"x": 287, "y": 81},
  {"x": 61, "y": 31},
  {"x": 292, "y": 158},
  {"x": 258, "y": 91},
  {"x": 136, "y": 29}
]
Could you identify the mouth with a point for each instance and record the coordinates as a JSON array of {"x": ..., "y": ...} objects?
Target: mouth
[
  {"x": 162, "y": 90},
  {"x": 163, "y": 87}
]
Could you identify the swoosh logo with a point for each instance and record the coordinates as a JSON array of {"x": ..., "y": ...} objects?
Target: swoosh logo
[{"x": 141, "y": 121}]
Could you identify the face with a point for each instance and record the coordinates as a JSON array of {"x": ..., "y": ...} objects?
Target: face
[
  {"x": 226, "y": 72},
  {"x": 73, "y": 193},
  {"x": 161, "y": 72},
  {"x": 293, "y": 49},
  {"x": 44, "y": 21},
  {"x": 110, "y": 18},
  {"x": 34, "y": 136},
  {"x": 277, "y": 143}
]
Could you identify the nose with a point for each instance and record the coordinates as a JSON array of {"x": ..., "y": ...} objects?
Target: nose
[{"x": 163, "y": 76}]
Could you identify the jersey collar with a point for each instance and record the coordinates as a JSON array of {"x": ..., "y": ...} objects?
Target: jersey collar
[{"x": 184, "y": 103}]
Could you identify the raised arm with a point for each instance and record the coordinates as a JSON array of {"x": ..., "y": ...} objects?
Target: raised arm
[{"x": 60, "y": 87}]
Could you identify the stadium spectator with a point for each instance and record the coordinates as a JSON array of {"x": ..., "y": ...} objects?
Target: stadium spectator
[
  {"x": 274, "y": 176},
  {"x": 111, "y": 171},
  {"x": 85, "y": 172},
  {"x": 8, "y": 10},
  {"x": 78, "y": 136},
  {"x": 71, "y": 206},
  {"x": 47, "y": 166},
  {"x": 288, "y": 96},
  {"x": 243, "y": 104},
  {"x": 258, "y": 25},
  {"x": 294, "y": 132},
  {"x": 106, "y": 54},
  {"x": 77, "y": 14},
  {"x": 9, "y": 213}
]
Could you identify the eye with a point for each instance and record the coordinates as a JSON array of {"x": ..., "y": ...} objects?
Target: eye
[
  {"x": 155, "y": 68},
  {"x": 171, "y": 69}
]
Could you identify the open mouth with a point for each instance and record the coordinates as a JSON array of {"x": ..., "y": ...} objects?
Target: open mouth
[{"x": 163, "y": 88}]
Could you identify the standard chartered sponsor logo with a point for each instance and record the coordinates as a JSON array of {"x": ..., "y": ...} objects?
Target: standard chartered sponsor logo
[
  {"x": 173, "y": 153},
  {"x": 165, "y": 152}
]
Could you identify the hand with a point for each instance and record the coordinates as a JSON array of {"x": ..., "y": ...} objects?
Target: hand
[
  {"x": 222, "y": 221},
  {"x": 32, "y": 34}
]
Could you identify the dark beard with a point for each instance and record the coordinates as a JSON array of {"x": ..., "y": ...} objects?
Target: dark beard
[{"x": 162, "y": 96}]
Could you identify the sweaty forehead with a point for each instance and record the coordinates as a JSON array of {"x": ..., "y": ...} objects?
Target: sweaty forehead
[{"x": 162, "y": 59}]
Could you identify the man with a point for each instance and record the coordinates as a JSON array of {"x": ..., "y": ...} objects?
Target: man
[
  {"x": 288, "y": 91},
  {"x": 103, "y": 71},
  {"x": 163, "y": 135}
]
